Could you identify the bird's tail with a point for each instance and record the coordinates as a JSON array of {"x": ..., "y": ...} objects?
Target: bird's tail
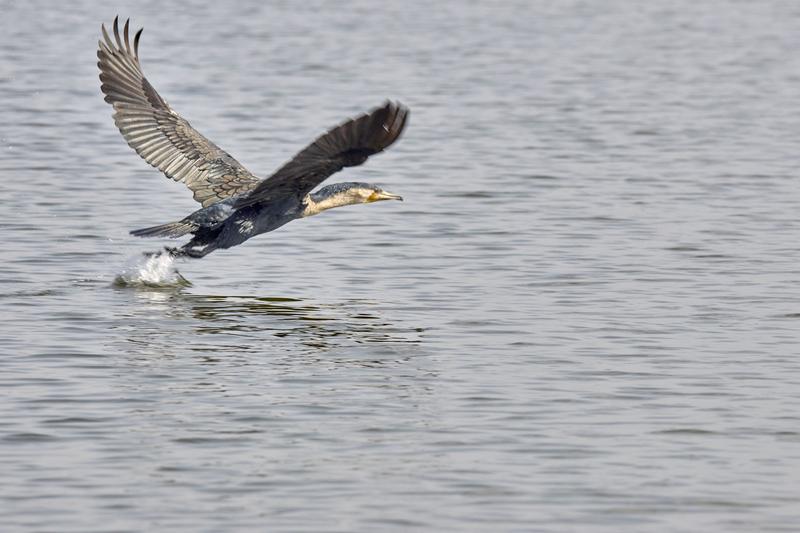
[{"x": 172, "y": 230}]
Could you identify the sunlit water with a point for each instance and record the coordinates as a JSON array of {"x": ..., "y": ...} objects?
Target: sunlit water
[{"x": 584, "y": 317}]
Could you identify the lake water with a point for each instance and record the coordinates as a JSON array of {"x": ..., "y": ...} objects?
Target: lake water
[{"x": 584, "y": 317}]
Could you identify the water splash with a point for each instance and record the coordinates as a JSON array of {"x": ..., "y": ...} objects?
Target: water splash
[{"x": 154, "y": 271}]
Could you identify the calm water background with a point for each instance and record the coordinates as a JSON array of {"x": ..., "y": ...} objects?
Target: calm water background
[{"x": 583, "y": 317}]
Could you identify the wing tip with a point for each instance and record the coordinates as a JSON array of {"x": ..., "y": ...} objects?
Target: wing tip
[
  {"x": 123, "y": 43},
  {"x": 393, "y": 120}
]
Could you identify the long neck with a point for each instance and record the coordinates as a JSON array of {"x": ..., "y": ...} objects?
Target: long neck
[{"x": 316, "y": 203}]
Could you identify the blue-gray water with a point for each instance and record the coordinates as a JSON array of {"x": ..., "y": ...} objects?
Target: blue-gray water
[{"x": 584, "y": 317}]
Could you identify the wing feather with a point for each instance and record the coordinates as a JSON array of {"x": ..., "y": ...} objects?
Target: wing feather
[
  {"x": 349, "y": 144},
  {"x": 158, "y": 134}
]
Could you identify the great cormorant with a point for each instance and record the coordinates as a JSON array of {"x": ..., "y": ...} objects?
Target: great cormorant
[{"x": 236, "y": 204}]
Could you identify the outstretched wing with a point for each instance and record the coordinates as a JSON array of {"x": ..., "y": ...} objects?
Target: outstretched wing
[
  {"x": 157, "y": 133},
  {"x": 347, "y": 145}
]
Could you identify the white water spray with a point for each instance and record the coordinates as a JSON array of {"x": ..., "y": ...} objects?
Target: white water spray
[{"x": 156, "y": 270}]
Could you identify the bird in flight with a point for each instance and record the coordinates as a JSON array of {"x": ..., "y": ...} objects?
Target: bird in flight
[{"x": 236, "y": 205}]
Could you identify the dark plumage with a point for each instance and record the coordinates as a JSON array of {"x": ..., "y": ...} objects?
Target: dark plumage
[{"x": 236, "y": 204}]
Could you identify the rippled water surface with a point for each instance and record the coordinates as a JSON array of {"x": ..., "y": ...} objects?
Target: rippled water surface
[{"x": 584, "y": 317}]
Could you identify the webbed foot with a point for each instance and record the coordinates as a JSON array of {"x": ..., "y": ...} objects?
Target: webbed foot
[{"x": 172, "y": 252}]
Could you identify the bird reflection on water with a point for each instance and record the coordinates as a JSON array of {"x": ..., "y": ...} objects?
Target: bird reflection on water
[{"x": 280, "y": 325}]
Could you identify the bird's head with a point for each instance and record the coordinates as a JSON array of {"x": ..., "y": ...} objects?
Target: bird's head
[
  {"x": 350, "y": 193},
  {"x": 373, "y": 193},
  {"x": 362, "y": 193}
]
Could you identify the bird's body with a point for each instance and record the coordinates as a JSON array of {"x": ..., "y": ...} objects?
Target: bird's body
[{"x": 237, "y": 205}]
